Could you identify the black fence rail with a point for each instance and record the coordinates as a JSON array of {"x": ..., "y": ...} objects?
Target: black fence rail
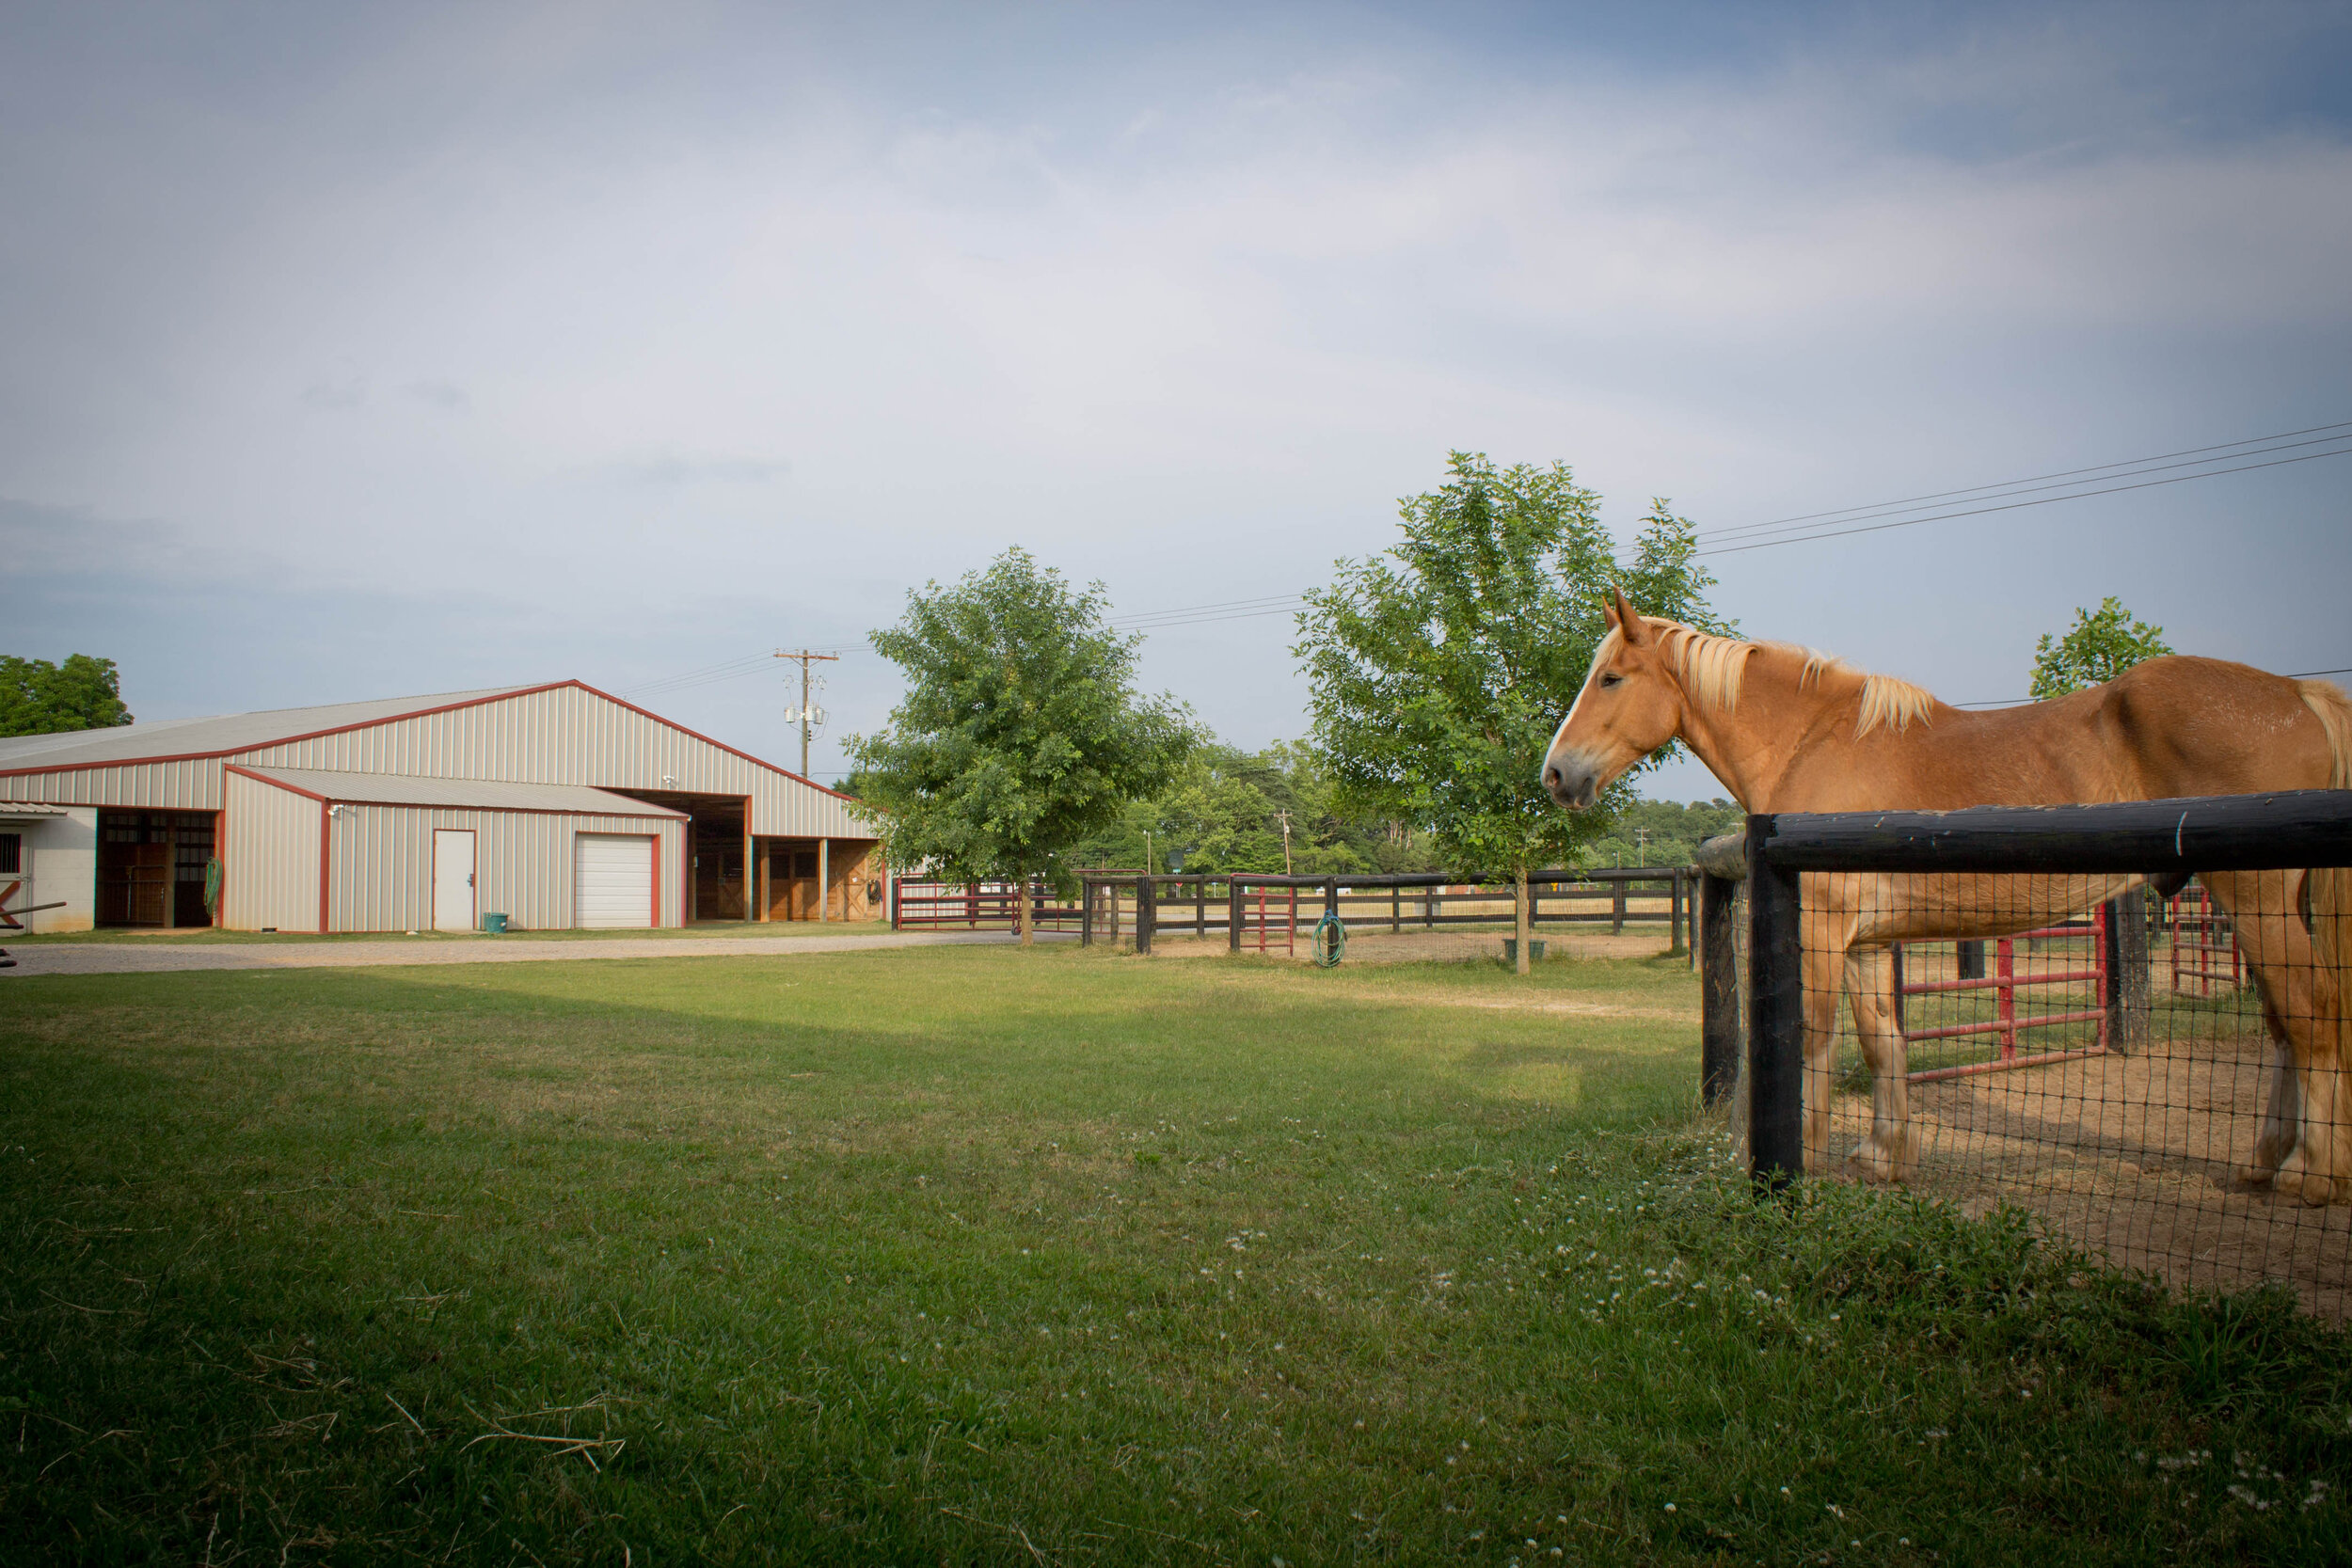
[
  {"x": 2181, "y": 1111},
  {"x": 921, "y": 904},
  {"x": 1253, "y": 909}
]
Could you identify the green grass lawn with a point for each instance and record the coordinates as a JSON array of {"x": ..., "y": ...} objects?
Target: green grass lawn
[{"x": 1056, "y": 1257}]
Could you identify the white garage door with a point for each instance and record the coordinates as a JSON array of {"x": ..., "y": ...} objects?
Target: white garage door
[{"x": 612, "y": 880}]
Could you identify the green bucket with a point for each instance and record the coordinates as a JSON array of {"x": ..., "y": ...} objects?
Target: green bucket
[
  {"x": 494, "y": 924},
  {"x": 1511, "y": 950}
]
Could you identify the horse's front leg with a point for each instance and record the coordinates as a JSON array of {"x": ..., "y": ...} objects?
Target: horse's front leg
[
  {"x": 1890, "y": 1150},
  {"x": 1821, "y": 970}
]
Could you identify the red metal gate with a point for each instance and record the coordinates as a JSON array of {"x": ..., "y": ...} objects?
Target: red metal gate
[{"x": 2005, "y": 983}]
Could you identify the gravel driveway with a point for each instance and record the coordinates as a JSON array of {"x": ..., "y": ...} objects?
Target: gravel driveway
[{"x": 112, "y": 957}]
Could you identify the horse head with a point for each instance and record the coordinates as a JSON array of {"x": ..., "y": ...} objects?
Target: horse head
[{"x": 1631, "y": 704}]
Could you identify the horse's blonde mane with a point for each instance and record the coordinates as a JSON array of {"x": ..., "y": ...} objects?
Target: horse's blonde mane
[{"x": 1710, "y": 668}]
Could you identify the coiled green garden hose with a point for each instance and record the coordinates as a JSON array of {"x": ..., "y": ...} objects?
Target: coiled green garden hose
[{"x": 1329, "y": 942}]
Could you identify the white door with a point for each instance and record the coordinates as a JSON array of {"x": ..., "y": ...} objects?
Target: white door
[
  {"x": 453, "y": 879},
  {"x": 612, "y": 880}
]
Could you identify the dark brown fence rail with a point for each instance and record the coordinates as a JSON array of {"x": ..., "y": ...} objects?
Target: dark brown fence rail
[
  {"x": 916, "y": 905},
  {"x": 1246, "y": 906}
]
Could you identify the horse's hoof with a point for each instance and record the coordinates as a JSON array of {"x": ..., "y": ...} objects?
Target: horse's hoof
[
  {"x": 1871, "y": 1165},
  {"x": 2319, "y": 1191},
  {"x": 2317, "y": 1188},
  {"x": 2257, "y": 1176}
]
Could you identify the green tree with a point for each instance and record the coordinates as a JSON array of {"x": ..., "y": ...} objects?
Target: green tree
[
  {"x": 2102, "y": 645},
  {"x": 40, "y": 698},
  {"x": 1439, "y": 672},
  {"x": 1661, "y": 832},
  {"x": 1224, "y": 811},
  {"x": 1019, "y": 733}
]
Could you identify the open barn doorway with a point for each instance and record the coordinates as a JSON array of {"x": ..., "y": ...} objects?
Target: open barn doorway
[
  {"x": 152, "y": 867},
  {"x": 719, "y": 869}
]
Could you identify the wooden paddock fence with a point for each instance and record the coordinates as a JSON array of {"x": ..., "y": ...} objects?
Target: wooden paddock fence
[{"x": 1250, "y": 909}]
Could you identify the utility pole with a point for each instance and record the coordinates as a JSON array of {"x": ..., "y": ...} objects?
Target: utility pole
[
  {"x": 808, "y": 715},
  {"x": 1640, "y": 846},
  {"x": 1286, "y": 841}
]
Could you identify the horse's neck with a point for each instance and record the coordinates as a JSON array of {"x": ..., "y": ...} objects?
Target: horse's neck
[{"x": 1752, "y": 748}]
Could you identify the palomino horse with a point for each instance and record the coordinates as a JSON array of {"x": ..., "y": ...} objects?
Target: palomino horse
[{"x": 1790, "y": 729}]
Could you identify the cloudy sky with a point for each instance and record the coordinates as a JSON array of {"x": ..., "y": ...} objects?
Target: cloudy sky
[{"x": 354, "y": 351}]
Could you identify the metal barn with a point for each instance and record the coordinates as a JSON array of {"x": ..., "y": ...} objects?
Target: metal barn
[{"x": 552, "y": 805}]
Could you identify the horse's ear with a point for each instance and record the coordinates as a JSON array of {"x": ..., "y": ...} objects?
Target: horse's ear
[{"x": 1628, "y": 619}]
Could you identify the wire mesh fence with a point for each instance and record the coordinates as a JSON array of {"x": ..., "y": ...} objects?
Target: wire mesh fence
[{"x": 2025, "y": 1008}]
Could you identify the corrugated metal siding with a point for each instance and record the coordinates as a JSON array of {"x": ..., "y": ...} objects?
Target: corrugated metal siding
[
  {"x": 270, "y": 876},
  {"x": 193, "y": 785},
  {"x": 569, "y": 736},
  {"x": 380, "y": 864}
]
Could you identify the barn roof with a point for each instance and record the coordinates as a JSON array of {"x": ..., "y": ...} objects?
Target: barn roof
[
  {"x": 234, "y": 732},
  {"x": 418, "y": 789}
]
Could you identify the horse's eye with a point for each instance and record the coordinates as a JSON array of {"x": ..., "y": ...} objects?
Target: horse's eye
[{"x": 1612, "y": 679}]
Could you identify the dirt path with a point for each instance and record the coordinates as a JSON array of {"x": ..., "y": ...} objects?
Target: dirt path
[{"x": 121, "y": 958}]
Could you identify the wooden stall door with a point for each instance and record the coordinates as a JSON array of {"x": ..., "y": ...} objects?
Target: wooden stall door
[{"x": 792, "y": 883}]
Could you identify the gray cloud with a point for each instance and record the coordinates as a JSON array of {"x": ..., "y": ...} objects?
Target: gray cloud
[
  {"x": 337, "y": 395},
  {"x": 675, "y": 472},
  {"x": 446, "y": 396}
]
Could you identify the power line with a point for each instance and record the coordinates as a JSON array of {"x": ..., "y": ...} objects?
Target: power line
[
  {"x": 728, "y": 670},
  {"x": 1843, "y": 521},
  {"x": 1838, "y": 523},
  {"x": 1191, "y": 609},
  {"x": 2000, "y": 491},
  {"x": 2014, "y": 506},
  {"x": 1842, "y": 513}
]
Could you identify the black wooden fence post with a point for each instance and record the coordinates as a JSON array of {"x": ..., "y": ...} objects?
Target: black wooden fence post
[
  {"x": 1233, "y": 914},
  {"x": 1086, "y": 911},
  {"x": 1719, "y": 987},
  {"x": 1775, "y": 1016},
  {"x": 1147, "y": 913},
  {"x": 1331, "y": 898},
  {"x": 1616, "y": 907},
  {"x": 1970, "y": 963}
]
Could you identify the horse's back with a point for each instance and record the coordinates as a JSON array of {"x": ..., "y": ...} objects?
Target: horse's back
[
  {"x": 2184, "y": 725},
  {"x": 2171, "y": 727}
]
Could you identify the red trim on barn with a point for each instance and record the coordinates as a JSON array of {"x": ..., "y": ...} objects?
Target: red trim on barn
[
  {"x": 282, "y": 740},
  {"x": 326, "y": 815},
  {"x": 672, "y": 723},
  {"x": 275, "y": 783}
]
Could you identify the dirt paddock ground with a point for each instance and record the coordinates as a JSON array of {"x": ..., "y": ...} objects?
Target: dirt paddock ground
[{"x": 2136, "y": 1158}]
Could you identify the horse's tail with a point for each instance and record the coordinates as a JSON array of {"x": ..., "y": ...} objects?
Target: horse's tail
[
  {"x": 2333, "y": 710},
  {"x": 2328, "y": 892}
]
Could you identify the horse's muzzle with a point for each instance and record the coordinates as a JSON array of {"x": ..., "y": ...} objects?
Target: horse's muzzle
[{"x": 1574, "y": 785}]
